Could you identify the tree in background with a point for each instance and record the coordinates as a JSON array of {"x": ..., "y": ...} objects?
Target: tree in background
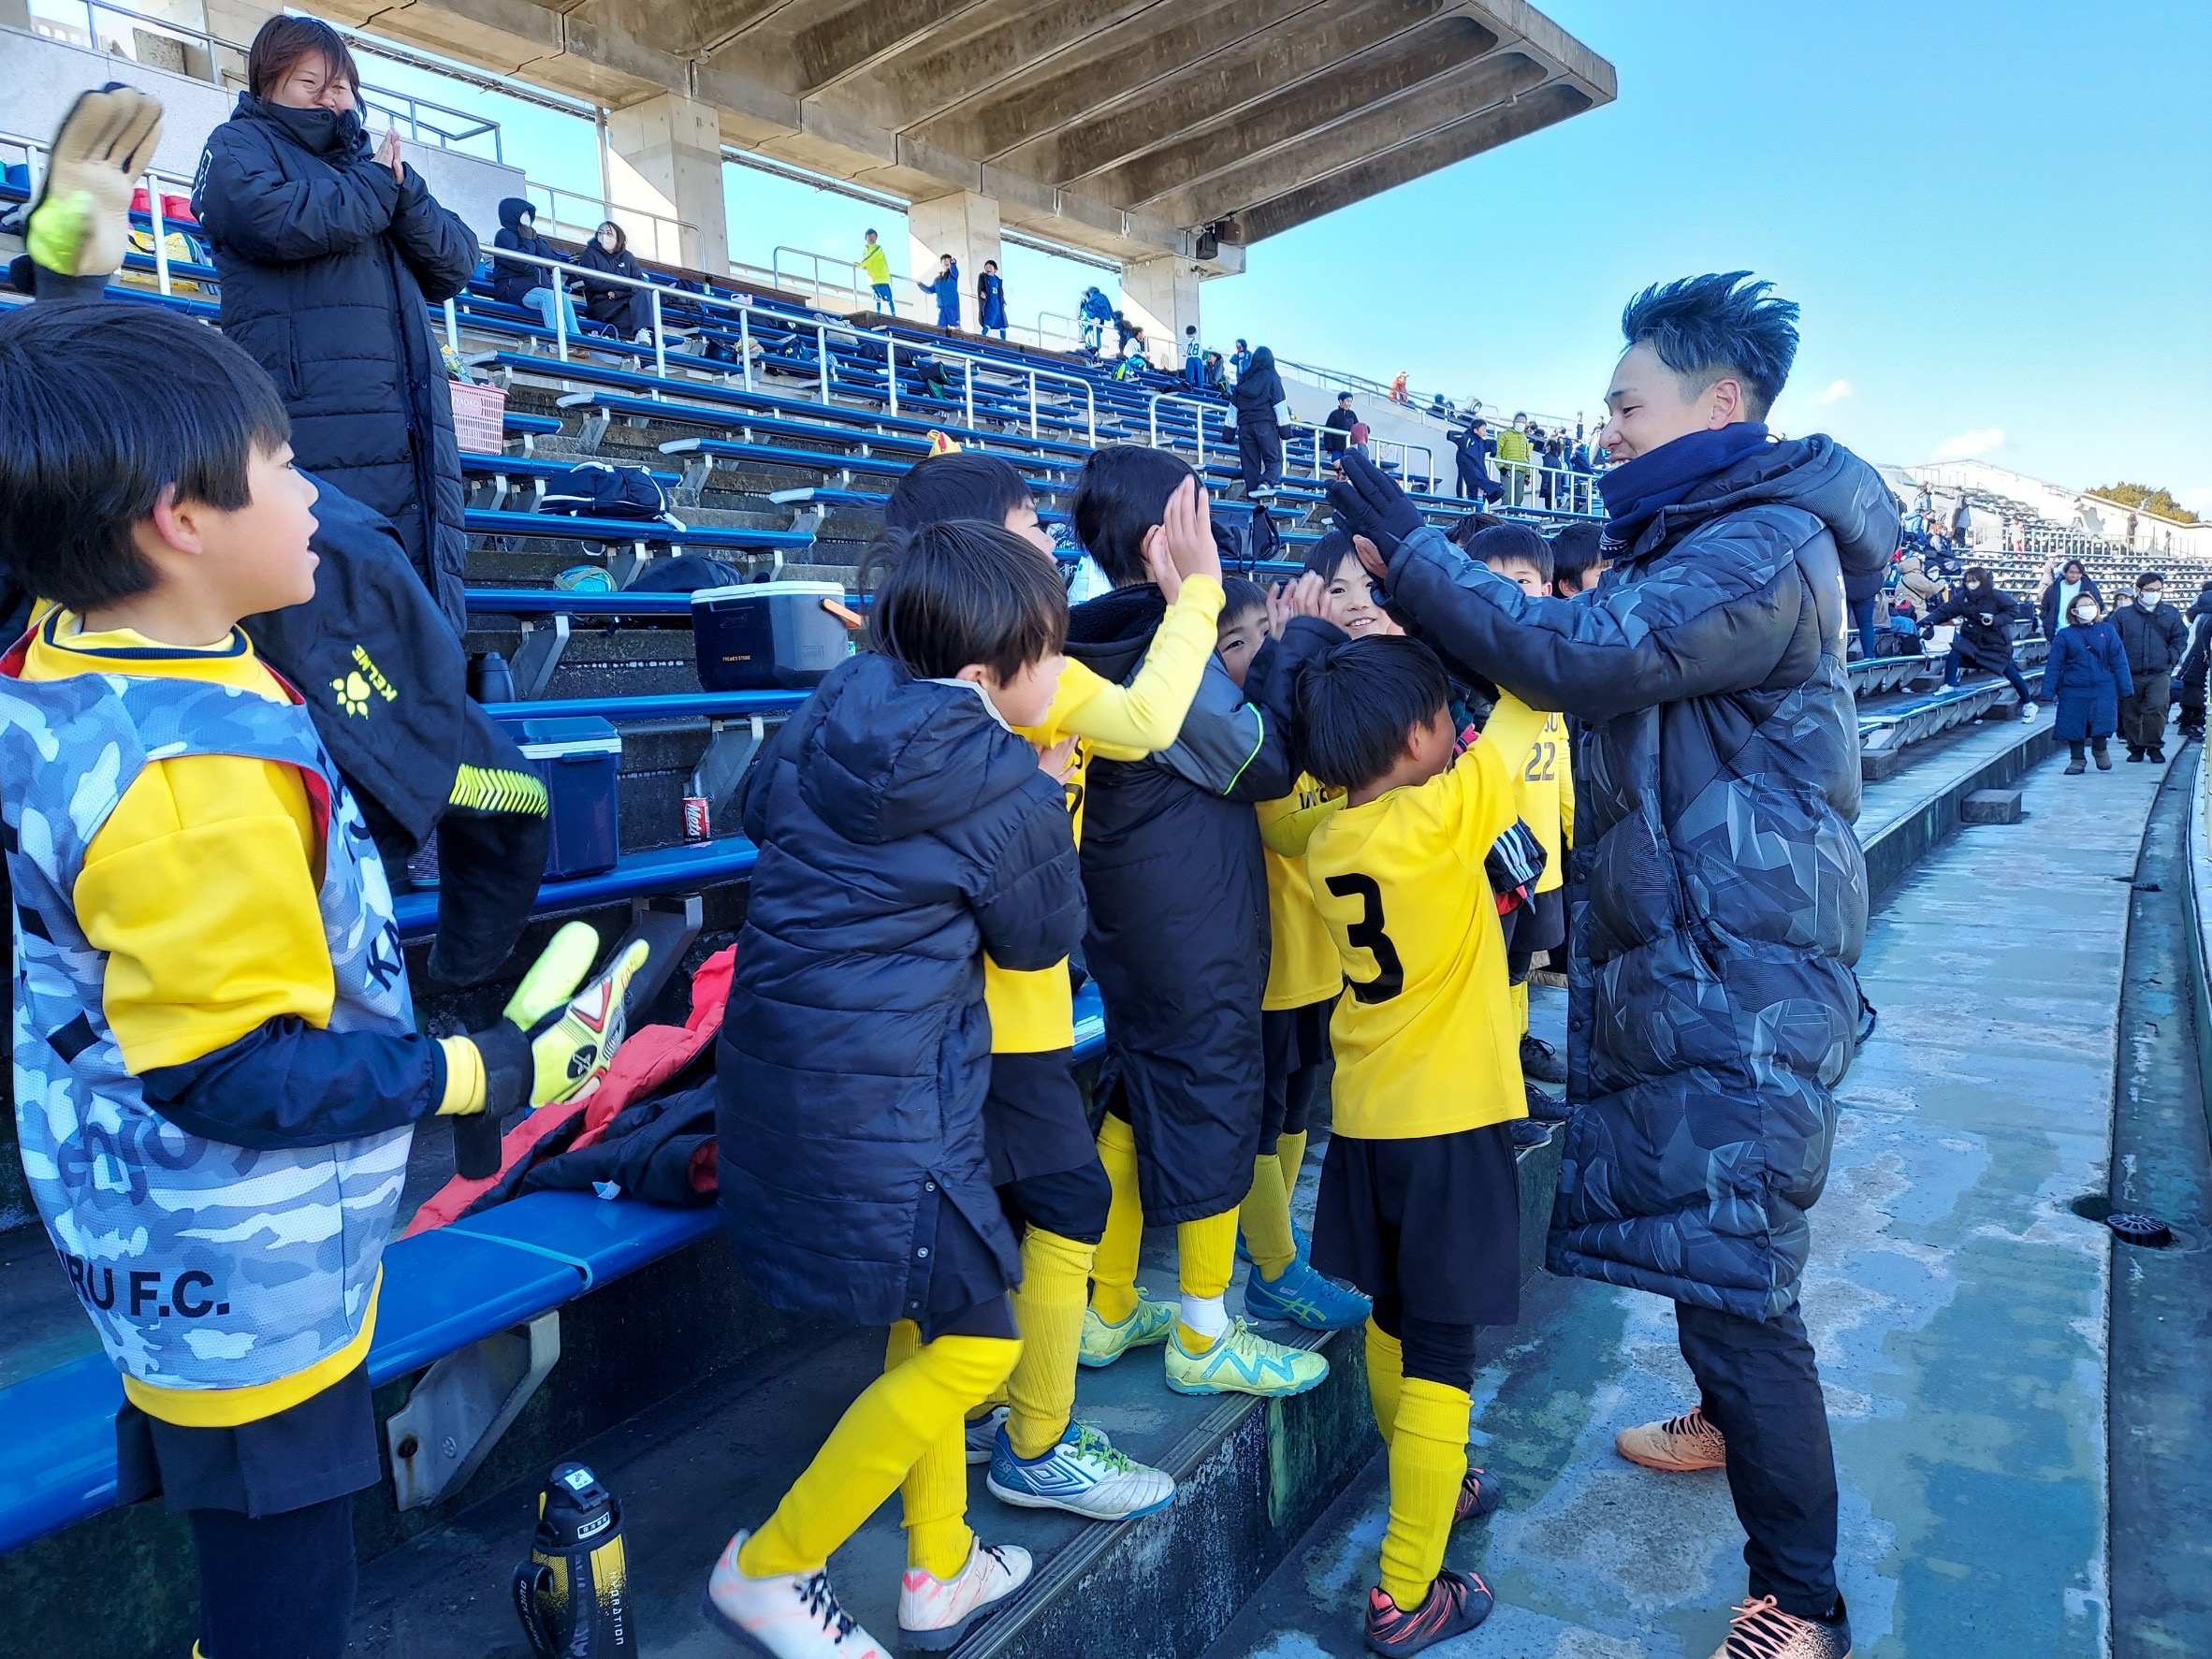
[{"x": 2145, "y": 500}]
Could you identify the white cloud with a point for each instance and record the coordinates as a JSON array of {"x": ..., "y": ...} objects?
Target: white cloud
[
  {"x": 1834, "y": 392},
  {"x": 1980, "y": 442}
]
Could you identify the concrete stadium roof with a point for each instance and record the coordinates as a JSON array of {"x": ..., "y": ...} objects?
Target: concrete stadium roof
[{"x": 1124, "y": 126}]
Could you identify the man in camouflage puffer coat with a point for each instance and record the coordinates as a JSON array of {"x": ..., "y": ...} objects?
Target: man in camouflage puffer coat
[{"x": 1713, "y": 1007}]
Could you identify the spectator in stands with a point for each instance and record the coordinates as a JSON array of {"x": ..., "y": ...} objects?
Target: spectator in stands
[
  {"x": 1341, "y": 420},
  {"x": 1194, "y": 358},
  {"x": 947, "y": 289},
  {"x": 327, "y": 254},
  {"x": 1472, "y": 445},
  {"x": 1133, "y": 362},
  {"x": 627, "y": 310},
  {"x": 904, "y": 830},
  {"x": 1513, "y": 455},
  {"x": 1217, "y": 374},
  {"x": 206, "y": 918},
  {"x": 2086, "y": 674},
  {"x": 1125, "y": 332},
  {"x": 1095, "y": 311},
  {"x": 1962, "y": 524},
  {"x": 1241, "y": 359},
  {"x": 1984, "y": 615},
  {"x": 1554, "y": 470},
  {"x": 521, "y": 282},
  {"x": 1727, "y": 546},
  {"x": 1398, "y": 392},
  {"x": 2152, "y": 632},
  {"x": 1259, "y": 432},
  {"x": 990, "y": 300},
  {"x": 877, "y": 263},
  {"x": 2055, "y": 605}
]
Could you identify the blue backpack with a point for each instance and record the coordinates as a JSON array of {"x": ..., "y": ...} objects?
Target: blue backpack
[{"x": 599, "y": 489}]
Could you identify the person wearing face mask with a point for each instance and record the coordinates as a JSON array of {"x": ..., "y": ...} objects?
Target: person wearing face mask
[
  {"x": 329, "y": 246},
  {"x": 629, "y": 309},
  {"x": 2156, "y": 639},
  {"x": 1985, "y": 614},
  {"x": 2056, "y": 603},
  {"x": 2087, "y": 675}
]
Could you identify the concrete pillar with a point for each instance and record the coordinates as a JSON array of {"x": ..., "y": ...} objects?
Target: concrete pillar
[
  {"x": 1161, "y": 296},
  {"x": 666, "y": 161},
  {"x": 964, "y": 225}
]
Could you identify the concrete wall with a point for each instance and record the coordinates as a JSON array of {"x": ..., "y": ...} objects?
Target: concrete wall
[{"x": 41, "y": 79}]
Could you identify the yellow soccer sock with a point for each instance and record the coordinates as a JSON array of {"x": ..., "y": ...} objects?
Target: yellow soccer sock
[
  {"x": 1114, "y": 1273},
  {"x": 1266, "y": 1217},
  {"x": 1427, "y": 1463},
  {"x": 1206, "y": 1255},
  {"x": 914, "y": 1410},
  {"x": 934, "y": 1496},
  {"x": 1386, "y": 1376},
  {"x": 1290, "y": 1154},
  {"x": 1521, "y": 1006},
  {"x": 1048, "y": 1309}
]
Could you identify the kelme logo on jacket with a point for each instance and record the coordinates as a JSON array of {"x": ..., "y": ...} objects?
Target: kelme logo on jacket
[{"x": 354, "y": 686}]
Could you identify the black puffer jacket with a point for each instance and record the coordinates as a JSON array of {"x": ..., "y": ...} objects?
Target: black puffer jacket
[
  {"x": 326, "y": 261},
  {"x": 1984, "y": 618},
  {"x": 902, "y": 831},
  {"x": 1713, "y": 1005},
  {"x": 2156, "y": 641}
]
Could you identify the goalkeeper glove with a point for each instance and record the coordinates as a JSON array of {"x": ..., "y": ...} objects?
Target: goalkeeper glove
[{"x": 78, "y": 227}]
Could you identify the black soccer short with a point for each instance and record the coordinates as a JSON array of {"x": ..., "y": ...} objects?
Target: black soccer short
[
  {"x": 1034, "y": 1122},
  {"x": 323, "y": 1447},
  {"x": 1429, "y": 1228},
  {"x": 1296, "y": 1045}
]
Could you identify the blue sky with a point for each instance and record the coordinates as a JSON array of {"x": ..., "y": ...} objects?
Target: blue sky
[{"x": 1997, "y": 217}]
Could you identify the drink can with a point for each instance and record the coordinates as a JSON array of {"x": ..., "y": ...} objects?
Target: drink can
[{"x": 696, "y": 825}]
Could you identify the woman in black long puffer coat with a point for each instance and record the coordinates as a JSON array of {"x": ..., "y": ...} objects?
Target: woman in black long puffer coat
[{"x": 327, "y": 251}]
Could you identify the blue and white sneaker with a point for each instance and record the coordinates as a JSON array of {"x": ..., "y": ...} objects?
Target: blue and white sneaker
[
  {"x": 1304, "y": 1296},
  {"x": 1242, "y": 1361},
  {"x": 1299, "y": 1236},
  {"x": 1083, "y": 1475}
]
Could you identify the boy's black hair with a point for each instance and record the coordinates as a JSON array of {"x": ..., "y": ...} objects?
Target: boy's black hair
[
  {"x": 963, "y": 485},
  {"x": 966, "y": 591},
  {"x": 1513, "y": 541},
  {"x": 1240, "y": 595},
  {"x": 1708, "y": 328},
  {"x": 1575, "y": 550},
  {"x": 1359, "y": 703},
  {"x": 1463, "y": 534},
  {"x": 102, "y": 408},
  {"x": 1324, "y": 556},
  {"x": 1121, "y": 493}
]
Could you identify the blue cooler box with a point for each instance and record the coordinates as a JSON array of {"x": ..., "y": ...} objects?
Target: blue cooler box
[
  {"x": 768, "y": 637},
  {"x": 579, "y": 760}
]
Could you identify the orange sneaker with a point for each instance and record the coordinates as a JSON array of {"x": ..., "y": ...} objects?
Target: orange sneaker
[
  {"x": 1676, "y": 1446},
  {"x": 1759, "y": 1629}
]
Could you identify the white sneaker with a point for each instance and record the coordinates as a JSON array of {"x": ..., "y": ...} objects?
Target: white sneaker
[
  {"x": 934, "y": 1613},
  {"x": 982, "y": 1433},
  {"x": 1083, "y": 1475},
  {"x": 789, "y": 1616},
  {"x": 2028, "y": 711}
]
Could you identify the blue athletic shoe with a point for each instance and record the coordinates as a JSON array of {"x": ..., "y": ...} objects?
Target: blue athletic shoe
[
  {"x": 1083, "y": 1475},
  {"x": 1299, "y": 1236},
  {"x": 1303, "y": 1297}
]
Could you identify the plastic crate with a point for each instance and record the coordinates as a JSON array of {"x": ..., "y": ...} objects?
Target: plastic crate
[{"x": 479, "y": 416}]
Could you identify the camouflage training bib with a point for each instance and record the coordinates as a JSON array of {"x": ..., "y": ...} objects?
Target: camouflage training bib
[{"x": 203, "y": 1265}]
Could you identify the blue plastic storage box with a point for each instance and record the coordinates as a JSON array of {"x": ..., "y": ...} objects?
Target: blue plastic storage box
[
  {"x": 769, "y": 635},
  {"x": 579, "y": 760}
]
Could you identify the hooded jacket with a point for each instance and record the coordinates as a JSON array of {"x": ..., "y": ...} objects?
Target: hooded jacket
[
  {"x": 510, "y": 279},
  {"x": 902, "y": 831},
  {"x": 2085, "y": 676},
  {"x": 1258, "y": 390},
  {"x": 327, "y": 262},
  {"x": 1713, "y": 1007},
  {"x": 1985, "y": 616},
  {"x": 1174, "y": 870},
  {"x": 2156, "y": 640}
]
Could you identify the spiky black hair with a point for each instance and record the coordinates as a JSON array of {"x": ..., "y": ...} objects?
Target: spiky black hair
[{"x": 1707, "y": 327}]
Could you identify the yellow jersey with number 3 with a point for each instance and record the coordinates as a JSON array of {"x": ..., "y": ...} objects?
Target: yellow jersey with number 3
[{"x": 1426, "y": 1038}]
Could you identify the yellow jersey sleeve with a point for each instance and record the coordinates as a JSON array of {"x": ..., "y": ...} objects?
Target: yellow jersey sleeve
[
  {"x": 202, "y": 888},
  {"x": 1547, "y": 790},
  {"x": 1128, "y": 722},
  {"x": 1301, "y": 965},
  {"x": 1567, "y": 787}
]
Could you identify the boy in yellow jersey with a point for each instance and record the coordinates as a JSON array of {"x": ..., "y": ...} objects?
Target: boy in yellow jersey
[
  {"x": 1547, "y": 778},
  {"x": 1043, "y": 1159},
  {"x": 217, "y": 1071},
  {"x": 1303, "y": 982},
  {"x": 1420, "y": 1201}
]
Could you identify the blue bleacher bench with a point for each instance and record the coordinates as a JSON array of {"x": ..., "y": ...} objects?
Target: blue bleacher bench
[{"x": 627, "y": 532}]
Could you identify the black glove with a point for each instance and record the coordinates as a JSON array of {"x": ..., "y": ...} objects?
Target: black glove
[{"x": 1369, "y": 503}]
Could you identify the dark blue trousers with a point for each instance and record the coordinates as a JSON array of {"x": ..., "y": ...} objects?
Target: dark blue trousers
[{"x": 1761, "y": 1388}]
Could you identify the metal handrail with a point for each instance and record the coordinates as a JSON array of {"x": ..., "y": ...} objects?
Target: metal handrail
[
  {"x": 1154, "y": 400},
  {"x": 821, "y": 327},
  {"x": 608, "y": 211}
]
